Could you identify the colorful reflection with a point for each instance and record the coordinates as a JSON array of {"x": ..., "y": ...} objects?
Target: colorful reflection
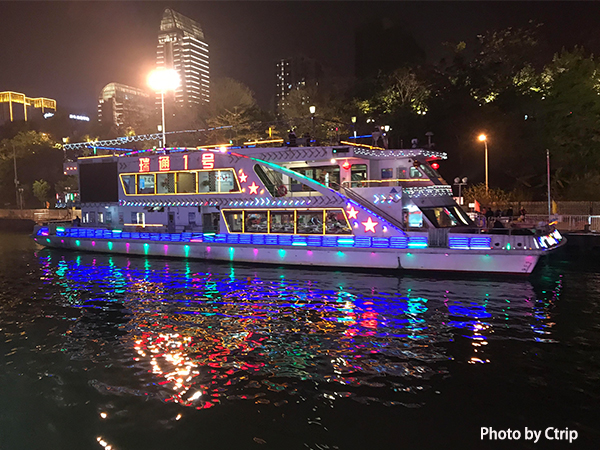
[{"x": 198, "y": 335}]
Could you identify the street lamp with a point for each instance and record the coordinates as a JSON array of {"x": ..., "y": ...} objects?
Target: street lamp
[
  {"x": 312, "y": 110},
  {"x": 483, "y": 138},
  {"x": 460, "y": 183},
  {"x": 354, "y": 126},
  {"x": 163, "y": 80}
]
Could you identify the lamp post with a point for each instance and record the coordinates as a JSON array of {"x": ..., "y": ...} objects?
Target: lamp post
[
  {"x": 312, "y": 110},
  {"x": 483, "y": 138},
  {"x": 163, "y": 80},
  {"x": 353, "y": 119},
  {"x": 460, "y": 183}
]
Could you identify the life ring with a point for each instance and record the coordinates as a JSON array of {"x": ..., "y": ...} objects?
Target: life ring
[{"x": 282, "y": 190}]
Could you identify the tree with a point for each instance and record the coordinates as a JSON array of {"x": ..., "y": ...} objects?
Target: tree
[{"x": 41, "y": 189}]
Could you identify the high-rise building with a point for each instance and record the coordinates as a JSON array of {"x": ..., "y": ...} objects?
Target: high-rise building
[
  {"x": 16, "y": 106},
  {"x": 182, "y": 46},
  {"x": 120, "y": 105},
  {"x": 295, "y": 73}
]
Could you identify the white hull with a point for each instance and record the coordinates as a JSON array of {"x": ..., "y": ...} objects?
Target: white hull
[{"x": 433, "y": 259}]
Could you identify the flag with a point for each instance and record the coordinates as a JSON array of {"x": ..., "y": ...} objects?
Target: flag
[{"x": 477, "y": 206}]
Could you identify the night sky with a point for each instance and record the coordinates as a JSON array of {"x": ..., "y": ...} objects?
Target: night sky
[{"x": 69, "y": 50}]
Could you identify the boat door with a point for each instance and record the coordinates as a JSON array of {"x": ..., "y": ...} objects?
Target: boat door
[{"x": 171, "y": 223}]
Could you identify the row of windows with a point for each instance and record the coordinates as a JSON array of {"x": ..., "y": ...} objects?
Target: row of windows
[
  {"x": 192, "y": 182},
  {"x": 321, "y": 221}
]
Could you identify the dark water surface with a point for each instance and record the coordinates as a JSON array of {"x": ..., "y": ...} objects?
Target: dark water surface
[{"x": 128, "y": 353}]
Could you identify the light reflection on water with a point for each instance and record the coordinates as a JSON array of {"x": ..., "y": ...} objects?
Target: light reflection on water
[
  {"x": 173, "y": 345},
  {"x": 201, "y": 335}
]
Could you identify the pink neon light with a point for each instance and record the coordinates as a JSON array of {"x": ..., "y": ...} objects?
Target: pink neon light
[
  {"x": 127, "y": 247},
  {"x": 208, "y": 249},
  {"x": 166, "y": 249},
  {"x": 93, "y": 243}
]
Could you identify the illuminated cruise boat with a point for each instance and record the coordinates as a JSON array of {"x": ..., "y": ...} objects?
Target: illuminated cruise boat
[{"x": 337, "y": 206}]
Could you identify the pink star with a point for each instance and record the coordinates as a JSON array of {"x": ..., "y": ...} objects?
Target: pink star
[
  {"x": 370, "y": 225},
  {"x": 352, "y": 213},
  {"x": 253, "y": 188},
  {"x": 243, "y": 177}
]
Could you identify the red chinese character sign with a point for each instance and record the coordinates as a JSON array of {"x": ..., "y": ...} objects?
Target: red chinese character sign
[
  {"x": 208, "y": 160},
  {"x": 144, "y": 164},
  {"x": 164, "y": 163}
]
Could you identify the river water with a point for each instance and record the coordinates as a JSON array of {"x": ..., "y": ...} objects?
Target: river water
[{"x": 116, "y": 352}]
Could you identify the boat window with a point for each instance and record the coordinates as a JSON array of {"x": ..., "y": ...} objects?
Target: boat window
[
  {"x": 282, "y": 222},
  {"x": 108, "y": 217},
  {"x": 387, "y": 173},
  {"x": 309, "y": 222},
  {"x": 327, "y": 175},
  {"x": 256, "y": 222},
  {"x": 271, "y": 179},
  {"x": 429, "y": 171},
  {"x": 207, "y": 181},
  {"x": 165, "y": 183},
  {"x": 446, "y": 216},
  {"x": 234, "y": 221},
  {"x": 226, "y": 182},
  {"x": 358, "y": 173},
  {"x": 100, "y": 217},
  {"x": 415, "y": 173},
  {"x": 145, "y": 184},
  {"x": 336, "y": 222},
  {"x": 186, "y": 182},
  {"x": 128, "y": 183},
  {"x": 401, "y": 173}
]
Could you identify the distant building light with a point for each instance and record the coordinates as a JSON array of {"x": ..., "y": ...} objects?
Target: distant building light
[
  {"x": 79, "y": 117},
  {"x": 48, "y": 115}
]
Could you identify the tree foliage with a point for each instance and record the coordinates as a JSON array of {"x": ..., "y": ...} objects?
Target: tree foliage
[{"x": 41, "y": 189}]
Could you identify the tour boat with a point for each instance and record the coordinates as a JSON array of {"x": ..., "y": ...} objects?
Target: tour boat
[{"x": 344, "y": 206}]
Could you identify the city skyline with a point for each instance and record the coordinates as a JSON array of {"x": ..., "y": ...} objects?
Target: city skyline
[{"x": 94, "y": 44}]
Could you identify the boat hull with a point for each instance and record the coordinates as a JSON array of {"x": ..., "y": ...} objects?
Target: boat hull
[{"x": 427, "y": 259}]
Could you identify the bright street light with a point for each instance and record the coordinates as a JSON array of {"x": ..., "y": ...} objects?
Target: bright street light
[
  {"x": 483, "y": 138},
  {"x": 163, "y": 80},
  {"x": 312, "y": 110}
]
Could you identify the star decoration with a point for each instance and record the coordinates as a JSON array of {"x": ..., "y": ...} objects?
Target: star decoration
[
  {"x": 253, "y": 188},
  {"x": 243, "y": 177},
  {"x": 352, "y": 213},
  {"x": 370, "y": 225}
]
